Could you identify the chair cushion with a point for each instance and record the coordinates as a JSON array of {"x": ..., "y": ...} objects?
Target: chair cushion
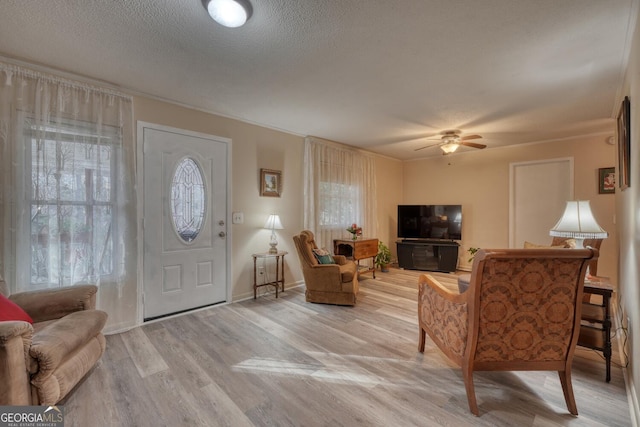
[
  {"x": 9, "y": 310},
  {"x": 569, "y": 243},
  {"x": 323, "y": 256}
]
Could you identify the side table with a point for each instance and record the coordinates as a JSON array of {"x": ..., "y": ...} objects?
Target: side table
[
  {"x": 595, "y": 329},
  {"x": 357, "y": 250},
  {"x": 279, "y": 280}
]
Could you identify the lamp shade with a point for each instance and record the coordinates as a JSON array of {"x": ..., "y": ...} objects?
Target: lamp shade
[
  {"x": 273, "y": 223},
  {"x": 578, "y": 222}
]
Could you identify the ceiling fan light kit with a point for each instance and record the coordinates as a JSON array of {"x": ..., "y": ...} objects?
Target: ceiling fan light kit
[
  {"x": 449, "y": 147},
  {"x": 229, "y": 13},
  {"x": 451, "y": 140}
]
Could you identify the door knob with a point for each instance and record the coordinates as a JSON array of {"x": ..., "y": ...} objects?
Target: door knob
[{"x": 222, "y": 234}]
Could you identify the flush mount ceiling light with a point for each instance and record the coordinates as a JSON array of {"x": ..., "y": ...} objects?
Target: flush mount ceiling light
[{"x": 230, "y": 13}]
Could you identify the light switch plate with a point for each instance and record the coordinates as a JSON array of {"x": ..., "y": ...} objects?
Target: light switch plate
[{"x": 237, "y": 218}]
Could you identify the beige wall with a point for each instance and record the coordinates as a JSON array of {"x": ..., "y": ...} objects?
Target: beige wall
[
  {"x": 389, "y": 195},
  {"x": 627, "y": 206},
  {"x": 479, "y": 180},
  {"x": 253, "y": 147}
]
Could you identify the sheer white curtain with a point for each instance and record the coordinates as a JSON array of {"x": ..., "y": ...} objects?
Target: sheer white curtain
[
  {"x": 340, "y": 189},
  {"x": 67, "y": 189}
]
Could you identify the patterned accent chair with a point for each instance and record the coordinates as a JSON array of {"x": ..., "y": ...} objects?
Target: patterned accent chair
[
  {"x": 520, "y": 313},
  {"x": 326, "y": 283}
]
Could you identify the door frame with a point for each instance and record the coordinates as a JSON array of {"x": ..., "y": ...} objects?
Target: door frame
[{"x": 141, "y": 126}]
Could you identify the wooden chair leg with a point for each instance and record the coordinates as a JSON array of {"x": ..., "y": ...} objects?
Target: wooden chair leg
[
  {"x": 421, "y": 340},
  {"x": 467, "y": 373},
  {"x": 567, "y": 389}
]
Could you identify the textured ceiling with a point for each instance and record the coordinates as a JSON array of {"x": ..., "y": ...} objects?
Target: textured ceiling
[{"x": 379, "y": 74}]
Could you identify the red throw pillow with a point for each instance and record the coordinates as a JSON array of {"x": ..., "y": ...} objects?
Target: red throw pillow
[{"x": 9, "y": 310}]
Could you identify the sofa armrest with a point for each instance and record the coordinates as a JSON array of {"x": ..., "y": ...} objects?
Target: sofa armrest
[
  {"x": 15, "y": 340},
  {"x": 444, "y": 316},
  {"x": 48, "y": 304}
]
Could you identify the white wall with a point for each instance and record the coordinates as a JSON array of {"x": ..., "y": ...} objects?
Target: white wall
[{"x": 628, "y": 227}]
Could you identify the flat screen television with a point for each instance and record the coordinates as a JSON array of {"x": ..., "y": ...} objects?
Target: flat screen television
[{"x": 442, "y": 222}]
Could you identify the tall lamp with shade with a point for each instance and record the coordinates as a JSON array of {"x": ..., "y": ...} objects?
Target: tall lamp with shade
[
  {"x": 577, "y": 222},
  {"x": 273, "y": 223}
]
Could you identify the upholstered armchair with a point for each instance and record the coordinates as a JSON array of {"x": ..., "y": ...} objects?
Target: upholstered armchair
[
  {"x": 335, "y": 283},
  {"x": 41, "y": 362},
  {"x": 521, "y": 312}
]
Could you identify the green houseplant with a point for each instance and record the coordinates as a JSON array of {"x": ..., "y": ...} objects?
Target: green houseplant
[
  {"x": 383, "y": 258},
  {"x": 472, "y": 252}
]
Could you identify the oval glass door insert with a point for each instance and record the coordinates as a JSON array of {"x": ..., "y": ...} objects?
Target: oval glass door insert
[{"x": 188, "y": 200}]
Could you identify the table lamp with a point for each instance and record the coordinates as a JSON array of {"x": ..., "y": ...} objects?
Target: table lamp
[
  {"x": 578, "y": 223},
  {"x": 273, "y": 223}
]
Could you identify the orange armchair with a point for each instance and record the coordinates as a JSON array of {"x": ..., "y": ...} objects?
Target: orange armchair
[
  {"x": 326, "y": 283},
  {"x": 520, "y": 313}
]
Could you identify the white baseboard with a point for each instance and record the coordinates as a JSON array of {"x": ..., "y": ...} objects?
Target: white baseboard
[
  {"x": 632, "y": 396},
  {"x": 249, "y": 295},
  {"x": 634, "y": 409}
]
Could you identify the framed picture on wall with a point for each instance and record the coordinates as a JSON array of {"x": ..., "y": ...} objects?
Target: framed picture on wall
[
  {"x": 270, "y": 182},
  {"x": 607, "y": 180},
  {"x": 624, "y": 143}
]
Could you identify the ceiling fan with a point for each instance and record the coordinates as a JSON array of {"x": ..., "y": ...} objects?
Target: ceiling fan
[{"x": 451, "y": 140}]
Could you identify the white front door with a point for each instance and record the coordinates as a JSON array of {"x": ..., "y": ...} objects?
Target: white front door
[{"x": 185, "y": 220}]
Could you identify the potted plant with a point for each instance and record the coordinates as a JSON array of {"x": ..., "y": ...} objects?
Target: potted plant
[
  {"x": 383, "y": 258},
  {"x": 472, "y": 252}
]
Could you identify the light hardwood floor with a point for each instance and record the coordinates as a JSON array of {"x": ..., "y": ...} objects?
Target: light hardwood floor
[{"x": 285, "y": 362}]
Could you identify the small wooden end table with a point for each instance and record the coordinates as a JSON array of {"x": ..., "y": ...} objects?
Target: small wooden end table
[
  {"x": 357, "y": 250},
  {"x": 279, "y": 280},
  {"x": 595, "y": 329}
]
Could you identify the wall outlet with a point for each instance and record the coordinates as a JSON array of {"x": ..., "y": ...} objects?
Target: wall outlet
[{"x": 237, "y": 218}]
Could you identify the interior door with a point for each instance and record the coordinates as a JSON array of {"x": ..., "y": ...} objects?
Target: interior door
[
  {"x": 185, "y": 221},
  {"x": 539, "y": 192}
]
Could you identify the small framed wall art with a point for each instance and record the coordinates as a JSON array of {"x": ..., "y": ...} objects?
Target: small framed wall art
[
  {"x": 624, "y": 143},
  {"x": 607, "y": 180},
  {"x": 270, "y": 183}
]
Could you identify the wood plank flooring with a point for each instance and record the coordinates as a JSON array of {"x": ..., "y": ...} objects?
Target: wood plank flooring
[{"x": 285, "y": 362}]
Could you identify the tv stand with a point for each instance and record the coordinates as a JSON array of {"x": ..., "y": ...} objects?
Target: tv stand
[{"x": 428, "y": 254}]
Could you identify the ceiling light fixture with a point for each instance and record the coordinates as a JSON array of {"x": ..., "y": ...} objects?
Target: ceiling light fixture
[
  {"x": 230, "y": 13},
  {"x": 449, "y": 147},
  {"x": 450, "y": 144}
]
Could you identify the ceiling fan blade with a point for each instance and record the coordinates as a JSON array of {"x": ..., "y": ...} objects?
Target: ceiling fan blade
[
  {"x": 472, "y": 144},
  {"x": 468, "y": 137},
  {"x": 426, "y": 146}
]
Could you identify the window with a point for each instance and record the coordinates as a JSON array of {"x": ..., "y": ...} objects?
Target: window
[
  {"x": 72, "y": 174},
  {"x": 338, "y": 204},
  {"x": 188, "y": 200}
]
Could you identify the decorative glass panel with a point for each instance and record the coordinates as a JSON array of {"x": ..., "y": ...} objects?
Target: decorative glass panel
[{"x": 188, "y": 199}]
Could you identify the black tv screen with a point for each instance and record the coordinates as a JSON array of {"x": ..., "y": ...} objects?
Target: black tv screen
[{"x": 430, "y": 222}]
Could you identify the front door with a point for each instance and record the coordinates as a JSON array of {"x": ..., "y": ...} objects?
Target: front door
[{"x": 185, "y": 220}]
